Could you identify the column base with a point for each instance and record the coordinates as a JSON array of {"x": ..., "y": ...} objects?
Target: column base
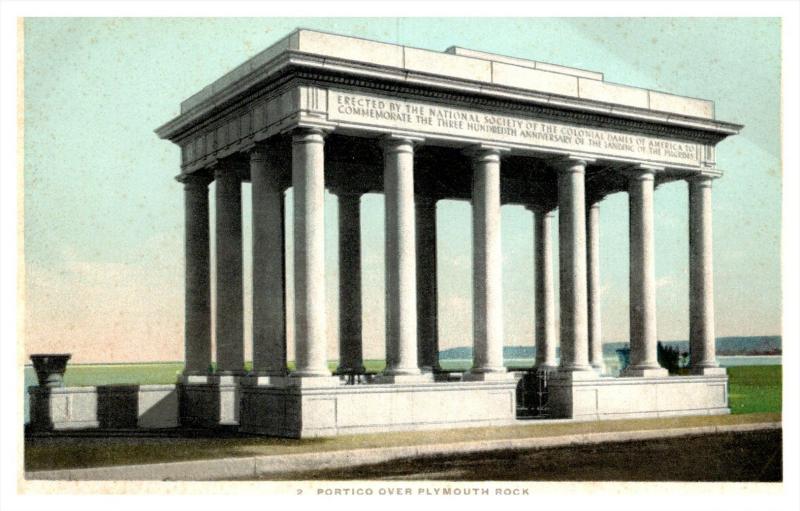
[
  {"x": 709, "y": 371},
  {"x": 431, "y": 369},
  {"x": 226, "y": 379},
  {"x": 645, "y": 372},
  {"x": 195, "y": 379},
  {"x": 404, "y": 378},
  {"x": 311, "y": 373},
  {"x": 301, "y": 381},
  {"x": 488, "y": 376},
  {"x": 256, "y": 379}
]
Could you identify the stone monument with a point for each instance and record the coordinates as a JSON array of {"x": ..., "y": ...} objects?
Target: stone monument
[{"x": 319, "y": 111}]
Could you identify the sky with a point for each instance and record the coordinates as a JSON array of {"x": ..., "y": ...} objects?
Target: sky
[{"x": 103, "y": 215}]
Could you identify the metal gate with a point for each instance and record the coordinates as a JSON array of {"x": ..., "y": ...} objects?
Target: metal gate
[{"x": 532, "y": 394}]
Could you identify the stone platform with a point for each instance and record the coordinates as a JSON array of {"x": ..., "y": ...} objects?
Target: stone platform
[
  {"x": 316, "y": 407},
  {"x": 313, "y": 411},
  {"x": 589, "y": 397}
]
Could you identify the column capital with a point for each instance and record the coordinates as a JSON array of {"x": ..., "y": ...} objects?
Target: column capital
[
  {"x": 309, "y": 134},
  {"x": 346, "y": 193},
  {"x": 571, "y": 163},
  {"x": 223, "y": 171},
  {"x": 593, "y": 201},
  {"x": 238, "y": 165},
  {"x": 641, "y": 172},
  {"x": 257, "y": 152},
  {"x": 394, "y": 143},
  {"x": 545, "y": 209},
  {"x": 194, "y": 180},
  {"x": 485, "y": 152},
  {"x": 704, "y": 177}
]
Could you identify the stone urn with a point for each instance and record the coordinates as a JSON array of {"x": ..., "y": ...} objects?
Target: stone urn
[{"x": 50, "y": 368}]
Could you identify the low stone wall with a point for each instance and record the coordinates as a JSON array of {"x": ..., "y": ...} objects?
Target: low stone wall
[
  {"x": 333, "y": 408},
  {"x": 348, "y": 409},
  {"x": 105, "y": 406},
  {"x": 598, "y": 398}
]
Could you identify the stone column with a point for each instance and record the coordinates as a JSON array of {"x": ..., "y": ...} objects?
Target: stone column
[
  {"x": 427, "y": 298},
  {"x": 269, "y": 283},
  {"x": 230, "y": 294},
  {"x": 401, "y": 278},
  {"x": 487, "y": 266},
  {"x": 644, "y": 338},
  {"x": 593, "y": 285},
  {"x": 545, "y": 328},
  {"x": 308, "y": 182},
  {"x": 197, "y": 333},
  {"x": 702, "y": 338},
  {"x": 572, "y": 266},
  {"x": 350, "y": 347}
]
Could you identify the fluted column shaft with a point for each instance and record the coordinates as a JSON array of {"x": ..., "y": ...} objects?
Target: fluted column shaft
[
  {"x": 401, "y": 278},
  {"x": 572, "y": 266},
  {"x": 308, "y": 181},
  {"x": 643, "y": 333},
  {"x": 487, "y": 277},
  {"x": 230, "y": 294},
  {"x": 545, "y": 328},
  {"x": 269, "y": 283},
  {"x": 702, "y": 338},
  {"x": 350, "y": 342},
  {"x": 593, "y": 285},
  {"x": 197, "y": 333},
  {"x": 427, "y": 293}
]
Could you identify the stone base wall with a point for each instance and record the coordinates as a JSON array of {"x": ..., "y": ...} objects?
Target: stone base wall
[
  {"x": 328, "y": 409},
  {"x": 598, "y": 398},
  {"x": 300, "y": 412},
  {"x": 107, "y": 407},
  {"x": 209, "y": 405}
]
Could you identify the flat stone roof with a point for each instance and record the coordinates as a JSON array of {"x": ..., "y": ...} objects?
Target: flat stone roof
[{"x": 463, "y": 65}]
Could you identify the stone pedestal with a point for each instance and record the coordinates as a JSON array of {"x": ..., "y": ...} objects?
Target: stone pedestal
[
  {"x": 314, "y": 411},
  {"x": 588, "y": 397},
  {"x": 212, "y": 404}
]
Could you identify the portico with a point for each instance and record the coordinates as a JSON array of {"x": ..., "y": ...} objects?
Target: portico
[{"x": 320, "y": 111}]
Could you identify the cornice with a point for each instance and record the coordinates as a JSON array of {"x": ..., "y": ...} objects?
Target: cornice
[{"x": 293, "y": 65}]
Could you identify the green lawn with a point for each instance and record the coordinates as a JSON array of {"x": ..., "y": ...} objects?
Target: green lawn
[{"x": 752, "y": 389}]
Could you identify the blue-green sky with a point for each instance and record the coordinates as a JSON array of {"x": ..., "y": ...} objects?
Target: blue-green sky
[{"x": 103, "y": 215}]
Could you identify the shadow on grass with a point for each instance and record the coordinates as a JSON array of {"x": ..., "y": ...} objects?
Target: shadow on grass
[{"x": 747, "y": 456}]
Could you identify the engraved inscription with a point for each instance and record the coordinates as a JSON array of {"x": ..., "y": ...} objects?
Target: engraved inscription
[{"x": 388, "y": 112}]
